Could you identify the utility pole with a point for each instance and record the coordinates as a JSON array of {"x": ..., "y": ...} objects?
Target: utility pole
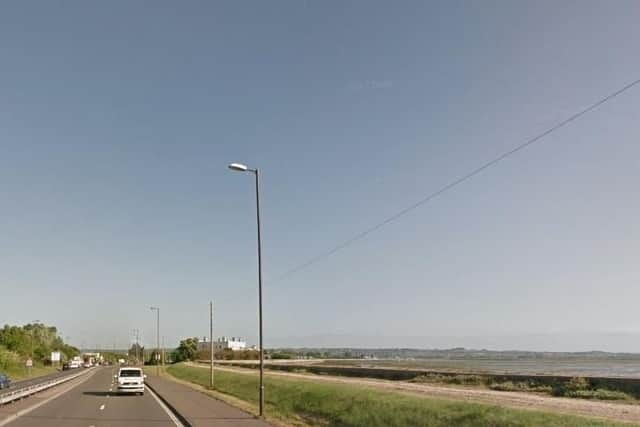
[
  {"x": 211, "y": 341},
  {"x": 157, "y": 310}
]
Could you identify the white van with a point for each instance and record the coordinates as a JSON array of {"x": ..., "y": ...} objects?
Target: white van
[{"x": 130, "y": 380}]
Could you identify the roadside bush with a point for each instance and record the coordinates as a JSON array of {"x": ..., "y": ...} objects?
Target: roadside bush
[
  {"x": 281, "y": 355},
  {"x": 228, "y": 354},
  {"x": 581, "y": 388},
  {"x": 600, "y": 394},
  {"x": 8, "y": 359},
  {"x": 571, "y": 387},
  {"x": 520, "y": 386},
  {"x": 604, "y": 394},
  {"x": 450, "y": 379}
]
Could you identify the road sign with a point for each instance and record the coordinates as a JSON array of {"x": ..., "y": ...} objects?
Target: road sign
[
  {"x": 55, "y": 356},
  {"x": 29, "y": 363}
]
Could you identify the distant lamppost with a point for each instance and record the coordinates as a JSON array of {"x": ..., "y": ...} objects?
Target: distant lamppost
[
  {"x": 34, "y": 322},
  {"x": 211, "y": 347},
  {"x": 29, "y": 363},
  {"x": 243, "y": 168},
  {"x": 136, "y": 334},
  {"x": 157, "y": 310}
]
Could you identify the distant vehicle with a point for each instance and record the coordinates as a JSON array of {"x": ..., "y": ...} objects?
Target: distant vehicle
[
  {"x": 66, "y": 366},
  {"x": 87, "y": 364},
  {"x": 130, "y": 380},
  {"x": 74, "y": 364},
  {"x": 5, "y": 382}
]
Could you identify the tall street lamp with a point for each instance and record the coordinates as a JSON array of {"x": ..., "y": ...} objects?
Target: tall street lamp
[
  {"x": 33, "y": 324},
  {"x": 30, "y": 360},
  {"x": 136, "y": 336},
  {"x": 157, "y": 338},
  {"x": 243, "y": 168},
  {"x": 211, "y": 347}
]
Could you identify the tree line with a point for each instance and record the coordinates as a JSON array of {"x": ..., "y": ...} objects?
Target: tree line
[
  {"x": 188, "y": 350},
  {"x": 34, "y": 341}
]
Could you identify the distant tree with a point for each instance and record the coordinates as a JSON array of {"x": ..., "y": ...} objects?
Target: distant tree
[
  {"x": 136, "y": 350},
  {"x": 69, "y": 351},
  {"x": 187, "y": 350},
  {"x": 281, "y": 355},
  {"x": 110, "y": 357},
  {"x": 153, "y": 358},
  {"x": 35, "y": 339}
]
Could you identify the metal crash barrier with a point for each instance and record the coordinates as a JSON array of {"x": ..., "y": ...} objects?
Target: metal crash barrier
[{"x": 19, "y": 393}]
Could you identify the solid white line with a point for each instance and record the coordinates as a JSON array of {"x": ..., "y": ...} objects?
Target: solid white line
[
  {"x": 163, "y": 406},
  {"x": 19, "y": 414}
]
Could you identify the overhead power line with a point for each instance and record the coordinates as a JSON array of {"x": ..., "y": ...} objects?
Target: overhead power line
[{"x": 455, "y": 183}]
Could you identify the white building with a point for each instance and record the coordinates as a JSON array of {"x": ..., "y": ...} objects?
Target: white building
[
  {"x": 233, "y": 343},
  {"x": 223, "y": 343}
]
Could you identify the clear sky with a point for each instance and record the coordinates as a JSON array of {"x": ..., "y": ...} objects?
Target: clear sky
[{"x": 118, "y": 118}]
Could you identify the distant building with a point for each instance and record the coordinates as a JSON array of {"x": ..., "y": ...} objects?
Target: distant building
[
  {"x": 223, "y": 343},
  {"x": 91, "y": 359}
]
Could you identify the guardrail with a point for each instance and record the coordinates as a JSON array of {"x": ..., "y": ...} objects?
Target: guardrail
[{"x": 35, "y": 388}]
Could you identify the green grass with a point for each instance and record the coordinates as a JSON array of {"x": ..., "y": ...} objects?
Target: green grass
[
  {"x": 21, "y": 373},
  {"x": 325, "y": 404}
]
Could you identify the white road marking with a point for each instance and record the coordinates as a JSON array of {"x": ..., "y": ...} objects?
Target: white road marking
[
  {"x": 163, "y": 406},
  {"x": 102, "y": 407}
]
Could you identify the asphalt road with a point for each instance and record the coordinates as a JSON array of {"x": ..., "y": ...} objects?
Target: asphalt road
[{"x": 93, "y": 404}]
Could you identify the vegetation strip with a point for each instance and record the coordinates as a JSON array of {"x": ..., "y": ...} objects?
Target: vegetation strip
[{"x": 311, "y": 403}]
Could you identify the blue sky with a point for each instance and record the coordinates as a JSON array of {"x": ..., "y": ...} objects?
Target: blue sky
[{"x": 117, "y": 121}]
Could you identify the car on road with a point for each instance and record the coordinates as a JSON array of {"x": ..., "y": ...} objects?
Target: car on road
[
  {"x": 5, "y": 382},
  {"x": 66, "y": 367},
  {"x": 130, "y": 380}
]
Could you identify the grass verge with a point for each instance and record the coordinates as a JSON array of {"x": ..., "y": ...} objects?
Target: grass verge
[
  {"x": 21, "y": 373},
  {"x": 305, "y": 402}
]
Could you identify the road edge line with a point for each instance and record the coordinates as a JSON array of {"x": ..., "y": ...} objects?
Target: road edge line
[
  {"x": 24, "y": 412},
  {"x": 174, "y": 415}
]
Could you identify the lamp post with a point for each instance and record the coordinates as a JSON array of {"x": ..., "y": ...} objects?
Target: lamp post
[
  {"x": 157, "y": 310},
  {"x": 243, "y": 168},
  {"x": 35, "y": 322},
  {"x": 211, "y": 348},
  {"x": 136, "y": 334}
]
